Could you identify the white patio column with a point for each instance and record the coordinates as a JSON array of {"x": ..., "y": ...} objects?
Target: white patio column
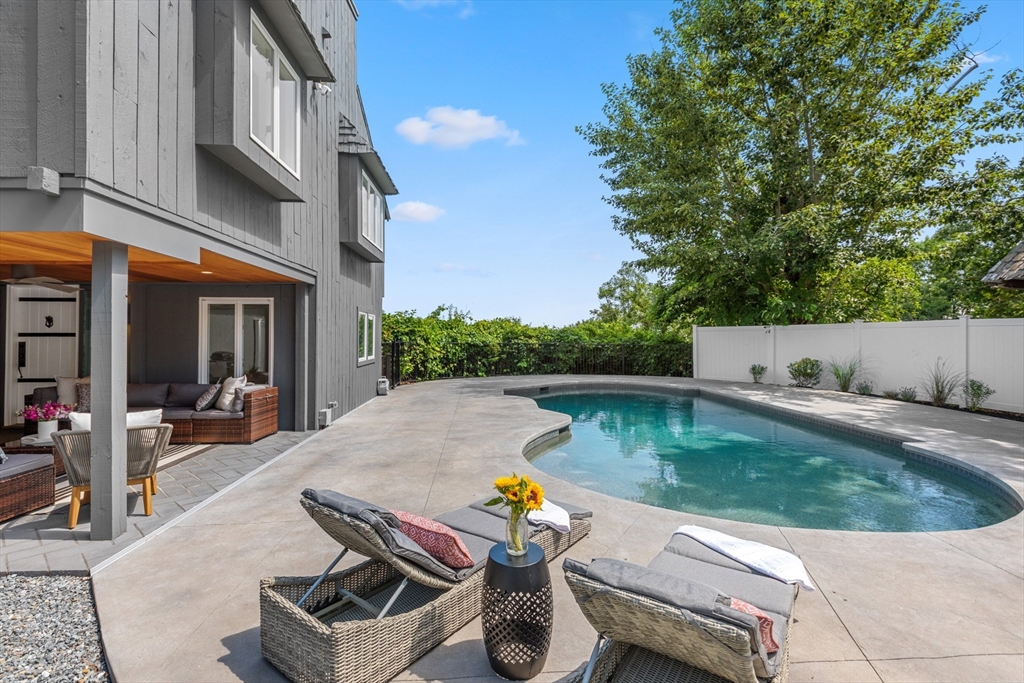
[{"x": 109, "y": 507}]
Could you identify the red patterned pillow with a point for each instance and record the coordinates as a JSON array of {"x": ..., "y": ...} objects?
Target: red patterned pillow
[
  {"x": 764, "y": 623},
  {"x": 439, "y": 540}
]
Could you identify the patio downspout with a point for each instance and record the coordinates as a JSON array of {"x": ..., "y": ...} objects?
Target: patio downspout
[{"x": 109, "y": 339}]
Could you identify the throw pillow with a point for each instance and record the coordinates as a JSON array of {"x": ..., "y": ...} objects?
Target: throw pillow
[
  {"x": 764, "y": 623},
  {"x": 208, "y": 397},
  {"x": 82, "y": 422},
  {"x": 227, "y": 392},
  {"x": 67, "y": 390},
  {"x": 439, "y": 540},
  {"x": 238, "y": 402},
  {"x": 3, "y": 456},
  {"x": 84, "y": 397}
]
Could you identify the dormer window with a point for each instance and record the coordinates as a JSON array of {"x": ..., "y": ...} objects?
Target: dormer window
[
  {"x": 274, "y": 99},
  {"x": 371, "y": 213}
]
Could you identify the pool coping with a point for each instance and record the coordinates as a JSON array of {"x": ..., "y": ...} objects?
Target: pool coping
[{"x": 919, "y": 451}]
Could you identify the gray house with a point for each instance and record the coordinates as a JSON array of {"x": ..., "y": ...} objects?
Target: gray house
[{"x": 195, "y": 183}]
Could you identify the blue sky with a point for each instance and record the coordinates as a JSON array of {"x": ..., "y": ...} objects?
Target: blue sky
[{"x": 473, "y": 106}]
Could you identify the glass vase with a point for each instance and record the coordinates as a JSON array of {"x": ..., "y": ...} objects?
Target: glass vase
[{"x": 517, "y": 536}]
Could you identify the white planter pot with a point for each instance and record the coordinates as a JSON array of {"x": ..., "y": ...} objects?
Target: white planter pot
[{"x": 46, "y": 430}]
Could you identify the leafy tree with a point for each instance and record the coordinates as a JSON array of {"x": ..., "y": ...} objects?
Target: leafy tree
[
  {"x": 983, "y": 221},
  {"x": 775, "y": 160},
  {"x": 625, "y": 298}
]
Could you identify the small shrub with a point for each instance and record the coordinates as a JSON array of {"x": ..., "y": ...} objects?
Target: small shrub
[
  {"x": 907, "y": 394},
  {"x": 864, "y": 388},
  {"x": 941, "y": 383},
  {"x": 757, "y": 372},
  {"x": 805, "y": 372},
  {"x": 975, "y": 392},
  {"x": 844, "y": 371},
  {"x": 891, "y": 393}
]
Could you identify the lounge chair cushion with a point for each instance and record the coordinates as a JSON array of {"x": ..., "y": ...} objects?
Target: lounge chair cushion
[
  {"x": 477, "y": 522},
  {"x": 575, "y": 512},
  {"x": 689, "y": 547},
  {"x": 386, "y": 524},
  {"x": 761, "y": 591}
]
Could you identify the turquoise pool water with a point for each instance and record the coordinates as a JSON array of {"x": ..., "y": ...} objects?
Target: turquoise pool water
[{"x": 697, "y": 455}]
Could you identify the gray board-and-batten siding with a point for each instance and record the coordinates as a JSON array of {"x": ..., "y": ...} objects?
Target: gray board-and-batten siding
[{"x": 108, "y": 91}]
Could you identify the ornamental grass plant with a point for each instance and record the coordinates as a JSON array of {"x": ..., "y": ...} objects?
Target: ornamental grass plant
[
  {"x": 941, "y": 383},
  {"x": 844, "y": 371}
]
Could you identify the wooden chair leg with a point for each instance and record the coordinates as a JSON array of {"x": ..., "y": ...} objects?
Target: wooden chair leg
[
  {"x": 73, "y": 510},
  {"x": 152, "y": 486},
  {"x": 87, "y": 496},
  {"x": 147, "y": 496}
]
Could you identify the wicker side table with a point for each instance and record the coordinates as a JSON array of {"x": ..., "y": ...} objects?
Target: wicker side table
[{"x": 518, "y": 612}]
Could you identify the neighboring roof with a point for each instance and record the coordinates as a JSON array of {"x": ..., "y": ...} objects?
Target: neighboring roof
[
  {"x": 1009, "y": 272},
  {"x": 352, "y": 141},
  {"x": 300, "y": 40}
]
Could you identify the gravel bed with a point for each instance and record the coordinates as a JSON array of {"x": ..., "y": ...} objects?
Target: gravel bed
[{"x": 48, "y": 630}]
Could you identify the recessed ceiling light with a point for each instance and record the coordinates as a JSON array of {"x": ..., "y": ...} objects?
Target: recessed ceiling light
[{"x": 206, "y": 272}]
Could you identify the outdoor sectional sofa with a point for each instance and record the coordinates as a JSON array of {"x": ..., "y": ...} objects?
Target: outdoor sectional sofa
[{"x": 257, "y": 419}]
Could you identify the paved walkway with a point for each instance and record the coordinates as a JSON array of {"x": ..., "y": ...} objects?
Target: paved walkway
[
  {"x": 891, "y": 606},
  {"x": 42, "y": 543}
]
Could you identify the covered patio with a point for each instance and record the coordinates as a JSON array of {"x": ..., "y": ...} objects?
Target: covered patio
[{"x": 76, "y": 234}]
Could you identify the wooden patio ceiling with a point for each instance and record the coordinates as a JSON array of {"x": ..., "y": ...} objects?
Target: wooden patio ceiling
[{"x": 67, "y": 256}]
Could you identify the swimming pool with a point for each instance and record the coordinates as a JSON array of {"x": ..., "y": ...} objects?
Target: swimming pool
[{"x": 698, "y": 455}]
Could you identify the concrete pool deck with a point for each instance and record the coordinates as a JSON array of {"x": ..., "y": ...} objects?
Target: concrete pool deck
[{"x": 946, "y": 606}]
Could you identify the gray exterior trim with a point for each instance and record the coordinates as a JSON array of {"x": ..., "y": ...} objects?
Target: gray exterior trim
[{"x": 299, "y": 39}]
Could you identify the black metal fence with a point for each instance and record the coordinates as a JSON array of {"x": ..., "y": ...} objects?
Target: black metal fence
[{"x": 414, "y": 361}]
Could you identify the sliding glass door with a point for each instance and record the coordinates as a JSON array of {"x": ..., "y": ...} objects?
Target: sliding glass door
[{"x": 236, "y": 338}]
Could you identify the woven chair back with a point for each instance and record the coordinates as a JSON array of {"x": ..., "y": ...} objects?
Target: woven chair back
[
  {"x": 145, "y": 445},
  {"x": 362, "y": 538},
  {"x": 706, "y": 643}
]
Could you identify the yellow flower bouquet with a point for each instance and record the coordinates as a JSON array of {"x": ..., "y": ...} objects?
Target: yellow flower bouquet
[{"x": 520, "y": 495}]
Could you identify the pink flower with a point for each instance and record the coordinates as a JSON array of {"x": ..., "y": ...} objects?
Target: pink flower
[{"x": 50, "y": 410}]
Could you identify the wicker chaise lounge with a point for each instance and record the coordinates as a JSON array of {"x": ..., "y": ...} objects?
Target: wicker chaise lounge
[
  {"x": 672, "y": 620},
  {"x": 378, "y": 617}
]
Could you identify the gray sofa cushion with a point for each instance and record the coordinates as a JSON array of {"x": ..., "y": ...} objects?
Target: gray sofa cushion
[
  {"x": 688, "y": 547},
  {"x": 43, "y": 395},
  {"x": 147, "y": 395},
  {"x": 177, "y": 413},
  {"x": 20, "y": 463},
  {"x": 184, "y": 395},
  {"x": 761, "y": 591},
  {"x": 217, "y": 415}
]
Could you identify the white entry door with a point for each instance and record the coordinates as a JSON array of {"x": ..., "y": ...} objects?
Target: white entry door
[{"x": 42, "y": 342}]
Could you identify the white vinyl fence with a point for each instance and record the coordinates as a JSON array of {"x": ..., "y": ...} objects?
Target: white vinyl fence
[{"x": 893, "y": 355}]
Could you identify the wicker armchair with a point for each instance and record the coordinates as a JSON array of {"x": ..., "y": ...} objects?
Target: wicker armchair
[{"x": 145, "y": 446}]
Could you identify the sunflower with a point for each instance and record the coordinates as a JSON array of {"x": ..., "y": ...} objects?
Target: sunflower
[
  {"x": 534, "y": 496},
  {"x": 512, "y": 495},
  {"x": 505, "y": 483}
]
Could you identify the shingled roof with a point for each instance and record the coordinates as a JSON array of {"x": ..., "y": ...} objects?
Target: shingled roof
[{"x": 1009, "y": 272}]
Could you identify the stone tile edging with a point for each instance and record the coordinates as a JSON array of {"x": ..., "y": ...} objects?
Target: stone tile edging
[{"x": 920, "y": 451}]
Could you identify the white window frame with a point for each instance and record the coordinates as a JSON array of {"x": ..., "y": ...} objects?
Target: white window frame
[
  {"x": 204, "y": 333},
  {"x": 278, "y": 60},
  {"x": 370, "y": 344},
  {"x": 371, "y": 213}
]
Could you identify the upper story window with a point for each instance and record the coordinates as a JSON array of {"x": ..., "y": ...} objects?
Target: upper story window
[
  {"x": 371, "y": 213},
  {"x": 274, "y": 99}
]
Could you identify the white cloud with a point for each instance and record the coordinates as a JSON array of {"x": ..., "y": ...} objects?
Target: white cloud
[
  {"x": 448, "y": 128},
  {"x": 459, "y": 268},
  {"x": 465, "y": 6},
  {"x": 982, "y": 58},
  {"x": 416, "y": 212}
]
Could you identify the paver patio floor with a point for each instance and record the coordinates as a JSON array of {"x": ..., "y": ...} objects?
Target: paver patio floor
[
  {"x": 41, "y": 542},
  {"x": 890, "y": 606}
]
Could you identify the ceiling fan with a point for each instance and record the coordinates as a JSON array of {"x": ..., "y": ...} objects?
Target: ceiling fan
[{"x": 26, "y": 275}]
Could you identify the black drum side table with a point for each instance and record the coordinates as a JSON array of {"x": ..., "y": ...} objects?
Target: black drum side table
[{"x": 517, "y": 612}]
